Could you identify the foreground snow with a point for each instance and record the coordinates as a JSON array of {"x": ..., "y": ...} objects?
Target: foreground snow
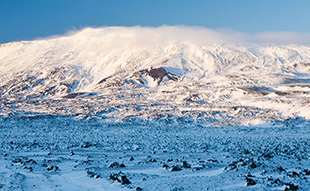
[{"x": 67, "y": 153}]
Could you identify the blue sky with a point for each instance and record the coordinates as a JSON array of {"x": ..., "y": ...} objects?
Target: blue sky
[{"x": 30, "y": 19}]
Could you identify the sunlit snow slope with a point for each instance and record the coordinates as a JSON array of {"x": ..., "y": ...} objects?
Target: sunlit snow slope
[{"x": 154, "y": 74}]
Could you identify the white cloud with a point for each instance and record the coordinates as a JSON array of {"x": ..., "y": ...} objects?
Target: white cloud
[{"x": 180, "y": 34}]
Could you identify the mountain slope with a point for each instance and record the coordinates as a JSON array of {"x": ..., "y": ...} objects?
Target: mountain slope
[{"x": 116, "y": 73}]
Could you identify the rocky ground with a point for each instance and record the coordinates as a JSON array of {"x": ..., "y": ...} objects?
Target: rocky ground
[{"x": 68, "y": 153}]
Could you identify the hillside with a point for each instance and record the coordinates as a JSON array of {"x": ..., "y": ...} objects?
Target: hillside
[{"x": 116, "y": 73}]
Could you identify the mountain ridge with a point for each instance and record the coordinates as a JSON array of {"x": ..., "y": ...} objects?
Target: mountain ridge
[{"x": 140, "y": 65}]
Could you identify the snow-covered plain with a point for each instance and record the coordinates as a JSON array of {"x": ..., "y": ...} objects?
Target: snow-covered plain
[{"x": 147, "y": 108}]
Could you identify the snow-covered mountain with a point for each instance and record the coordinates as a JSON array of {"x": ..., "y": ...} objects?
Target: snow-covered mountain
[
  {"x": 168, "y": 108},
  {"x": 119, "y": 73}
]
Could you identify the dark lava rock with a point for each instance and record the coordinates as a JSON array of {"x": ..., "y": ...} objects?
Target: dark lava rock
[
  {"x": 293, "y": 174},
  {"x": 124, "y": 180},
  {"x": 114, "y": 165},
  {"x": 250, "y": 181},
  {"x": 31, "y": 161},
  {"x": 176, "y": 168},
  {"x": 17, "y": 160},
  {"x": 52, "y": 168},
  {"x": 186, "y": 165},
  {"x": 166, "y": 166},
  {"x": 122, "y": 165},
  {"x": 115, "y": 177},
  {"x": 131, "y": 159},
  {"x": 281, "y": 169},
  {"x": 152, "y": 160},
  {"x": 239, "y": 161},
  {"x": 250, "y": 175},
  {"x": 73, "y": 95},
  {"x": 90, "y": 174},
  {"x": 138, "y": 188},
  {"x": 264, "y": 171},
  {"x": 291, "y": 187},
  {"x": 178, "y": 188},
  {"x": 169, "y": 160},
  {"x": 86, "y": 145},
  {"x": 29, "y": 168},
  {"x": 246, "y": 151},
  {"x": 307, "y": 172},
  {"x": 253, "y": 165},
  {"x": 119, "y": 177},
  {"x": 231, "y": 166},
  {"x": 213, "y": 161},
  {"x": 267, "y": 155},
  {"x": 157, "y": 74},
  {"x": 198, "y": 168},
  {"x": 276, "y": 181}
]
